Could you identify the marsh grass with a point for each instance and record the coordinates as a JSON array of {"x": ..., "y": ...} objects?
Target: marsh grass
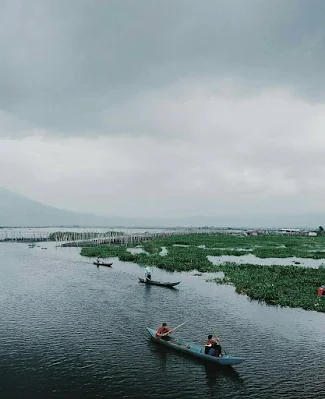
[{"x": 292, "y": 286}]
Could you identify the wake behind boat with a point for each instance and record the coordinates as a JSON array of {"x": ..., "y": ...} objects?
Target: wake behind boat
[
  {"x": 194, "y": 350},
  {"x": 161, "y": 283}
]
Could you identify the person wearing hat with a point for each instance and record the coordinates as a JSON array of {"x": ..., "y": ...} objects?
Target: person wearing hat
[{"x": 147, "y": 275}]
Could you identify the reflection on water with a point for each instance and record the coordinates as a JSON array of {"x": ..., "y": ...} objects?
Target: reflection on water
[
  {"x": 161, "y": 354},
  {"x": 70, "y": 330},
  {"x": 215, "y": 373}
]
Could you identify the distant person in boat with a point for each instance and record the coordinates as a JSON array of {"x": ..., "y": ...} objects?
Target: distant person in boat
[
  {"x": 147, "y": 274},
  {"x": 212, "y": 346},
  {"x": 163, "y": 331}
]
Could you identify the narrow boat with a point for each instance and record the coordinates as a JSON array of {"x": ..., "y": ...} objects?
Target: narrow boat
[
  {"x": 161, "y": 283},
  {"x": 102, "y": 264},
  {"x": 195, "y": 350}
]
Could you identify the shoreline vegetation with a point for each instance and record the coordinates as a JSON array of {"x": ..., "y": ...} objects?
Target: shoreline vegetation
[{"x": 291, "y": 286}]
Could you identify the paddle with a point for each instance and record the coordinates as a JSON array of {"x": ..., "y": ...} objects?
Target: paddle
[
  {"x": 163, "y": 335},
  {"x": 224, "y": 349}
]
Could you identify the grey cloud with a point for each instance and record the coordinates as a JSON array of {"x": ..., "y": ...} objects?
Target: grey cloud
[{"x": 64, "y": 64}]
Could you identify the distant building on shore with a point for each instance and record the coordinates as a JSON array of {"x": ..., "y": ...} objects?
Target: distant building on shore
[
  {"x": 283, "y": 231},
  {"x": 291, "y": 232},
  {"x": 298, "y": 232},
  {"x": 252, "y": 233},
  {"x": 312, "y": 233}
]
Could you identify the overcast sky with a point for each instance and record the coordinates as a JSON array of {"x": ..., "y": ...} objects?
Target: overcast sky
[{"x": 173, "y": 107}]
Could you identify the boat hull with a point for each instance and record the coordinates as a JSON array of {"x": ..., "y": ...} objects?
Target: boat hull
[
  {"x": 103, "y": 264},
  {"x": 160, "y": 283},
  {"x": 195, "y": 350}
]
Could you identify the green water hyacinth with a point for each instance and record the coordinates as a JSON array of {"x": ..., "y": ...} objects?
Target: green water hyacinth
[{"x": 292, "y": 286}]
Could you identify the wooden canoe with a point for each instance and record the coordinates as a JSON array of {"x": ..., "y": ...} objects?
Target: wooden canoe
[
  {"x": 195, "y": 350},
  {"x": 102, "y": 264},
  {"x": 161, "y": 283}
]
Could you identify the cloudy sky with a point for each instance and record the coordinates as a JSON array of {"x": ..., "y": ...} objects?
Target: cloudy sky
[{"x": 174, "y": 107}]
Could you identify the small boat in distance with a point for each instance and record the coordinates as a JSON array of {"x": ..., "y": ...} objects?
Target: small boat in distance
[
  {"x": 103, "y": 264},
  {"x": 161, "y": 283},
  {"x": 194, "y": 350}
]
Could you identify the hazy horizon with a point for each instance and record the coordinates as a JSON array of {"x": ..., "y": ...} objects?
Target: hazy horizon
[
  {"x": 20, "y": 211},
  {"x": 164, "y": 109}
]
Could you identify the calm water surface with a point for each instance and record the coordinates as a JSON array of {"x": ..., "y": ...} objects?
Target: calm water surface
[
  {"x": 71, "y": 330},
  {"x": 254, "y": 260}
]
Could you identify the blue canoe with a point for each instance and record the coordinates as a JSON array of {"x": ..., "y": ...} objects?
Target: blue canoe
[
  {"x": 195, "y": 350},
  {"x": 161, "y": 283}
]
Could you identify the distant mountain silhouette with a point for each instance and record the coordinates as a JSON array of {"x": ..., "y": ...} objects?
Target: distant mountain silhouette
[{"x": 18, "y": 210}]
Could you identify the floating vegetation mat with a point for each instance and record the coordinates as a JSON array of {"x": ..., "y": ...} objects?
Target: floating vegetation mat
[{"x": 293, "y": 286}]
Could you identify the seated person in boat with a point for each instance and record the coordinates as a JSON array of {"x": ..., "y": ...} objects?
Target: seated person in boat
[
  {"x": 212, "y": 346},
  {"x": 163, "y": 331},
  {"x": 147, "y": 275}
]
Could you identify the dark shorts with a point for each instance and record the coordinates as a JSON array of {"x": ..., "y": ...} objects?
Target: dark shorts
[{"x": 213, "y": 351}]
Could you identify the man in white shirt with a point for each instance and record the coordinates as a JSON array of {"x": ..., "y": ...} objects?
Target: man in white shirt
[{"x": 147, "y": 274}]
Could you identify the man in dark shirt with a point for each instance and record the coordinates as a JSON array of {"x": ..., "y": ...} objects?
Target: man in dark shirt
[{"x": 212, "y": 346}]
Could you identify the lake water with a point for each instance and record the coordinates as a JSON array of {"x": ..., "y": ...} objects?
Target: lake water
[
  {"x": 137, "y": 251},
  {"x": 254, "y": 260},
  {"x": 71, "y": 330}
]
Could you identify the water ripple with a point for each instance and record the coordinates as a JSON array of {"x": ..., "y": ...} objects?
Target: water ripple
[{"x": 69, "y": 330}]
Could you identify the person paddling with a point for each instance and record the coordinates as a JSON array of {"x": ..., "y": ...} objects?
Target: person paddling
[
  {"x": 212, "y": 346},
  {"x": 147, "y": 275},
  {"x": 163, "y": 331}
]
